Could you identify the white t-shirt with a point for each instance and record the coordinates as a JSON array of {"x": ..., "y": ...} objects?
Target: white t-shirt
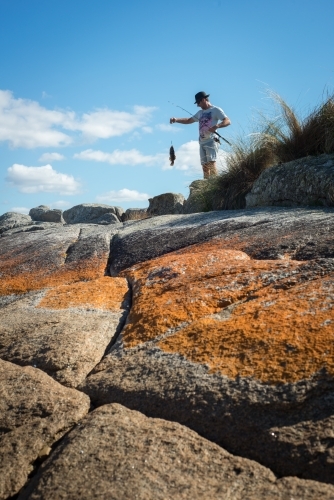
[{"x": 206, "y": 119}]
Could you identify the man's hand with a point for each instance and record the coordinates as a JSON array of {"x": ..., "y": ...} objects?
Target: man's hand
[
  {"x": 224, "y": 123},
  {"x": 184, "y": 121}
]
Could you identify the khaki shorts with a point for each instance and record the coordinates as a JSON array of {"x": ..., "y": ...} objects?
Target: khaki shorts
[{"x": 208, "y": 151}]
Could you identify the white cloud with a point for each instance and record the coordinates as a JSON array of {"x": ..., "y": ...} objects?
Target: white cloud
[
  {"x": 24, "y": 123},
  {"x": 118, "y": 157},
  {"x": 41, "y": 179},
  {"x": 122, "y": 195},
  {"x": 105, "y": 123},
  {"x": 51, "y": 157},
  {"x": 20, "y": 210}
]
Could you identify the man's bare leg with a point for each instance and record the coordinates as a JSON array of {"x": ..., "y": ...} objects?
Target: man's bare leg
[
  {"x": 209, "y": 169},
  {"x": 206, "y": 170},
  {"x": 213, "y": 168}
]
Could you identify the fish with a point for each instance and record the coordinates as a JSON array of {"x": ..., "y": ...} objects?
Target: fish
[{"x": 172, "y": 156}]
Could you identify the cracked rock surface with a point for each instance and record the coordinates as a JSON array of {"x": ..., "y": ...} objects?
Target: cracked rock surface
[
  {"x": 35, "y": 412},
  {"x": 182, "y": 356},
  {"x": 118, "y": 453}
]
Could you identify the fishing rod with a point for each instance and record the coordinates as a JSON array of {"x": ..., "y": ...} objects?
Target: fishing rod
[{"x": 191, "y": 114}]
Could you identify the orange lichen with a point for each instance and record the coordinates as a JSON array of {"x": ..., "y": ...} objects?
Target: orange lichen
[
  {"x": 187, "y": 285},
  {"x": 104, "y": 293},
  {"x": 14, "y": 279},
  {"x": 264, "y": 319},
  {"x": 281, "y": 336}
]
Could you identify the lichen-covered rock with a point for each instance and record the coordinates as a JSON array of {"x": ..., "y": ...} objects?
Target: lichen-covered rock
[
  {"x": 307, "y": 181},
  {"x": 231, "y": 346},
  {"x": 167, "y": 203},
  {"x": 64, "y": 312},
  {"x": 66, "y": 330},
  {"x": 11, "y": 220},
  {"x": 35, "y": 411},
  {"x": 117, "y": 453},
  {"x": 65, "y": 254},
  {"x": 263, "y": 233},
  {"x": 44, "y": 213},
  {"x": 89, "y": 213},
  {"x": 230, "y": 333}
]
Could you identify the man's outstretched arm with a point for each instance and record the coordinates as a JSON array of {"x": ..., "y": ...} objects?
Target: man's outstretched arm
[{"x": 184, "y": 121}]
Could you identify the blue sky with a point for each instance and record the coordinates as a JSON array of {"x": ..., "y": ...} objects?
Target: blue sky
[{"x": 86, "y": 89}]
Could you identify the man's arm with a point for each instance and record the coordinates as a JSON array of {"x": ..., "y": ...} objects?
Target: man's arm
[
  {"x": 224, "y": 123},
  {"x": 184, "y": 121}
]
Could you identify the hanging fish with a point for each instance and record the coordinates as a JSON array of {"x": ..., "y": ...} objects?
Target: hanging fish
[{"x": 172, "y": 156}]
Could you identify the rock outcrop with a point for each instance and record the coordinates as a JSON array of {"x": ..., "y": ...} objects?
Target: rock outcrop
[
  {"x": 44, "y": 213},
  {"x": 91, "y": 213},
  {"x": 263, "y": 233},
  {"x": 134, "y": 214},
  {"x": 227, "y": 341},
  {"x": 164, "y": 204},
  {"x": 65, "y": 308},
  {"x": 218, "y": 328},
  {"x": 11, "y": 220},
  {"x": 307, "y": 181},
  {"x": 196, "y": 201}
]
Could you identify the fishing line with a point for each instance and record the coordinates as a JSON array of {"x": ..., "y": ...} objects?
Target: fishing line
[{"x": 191, "y": 114}]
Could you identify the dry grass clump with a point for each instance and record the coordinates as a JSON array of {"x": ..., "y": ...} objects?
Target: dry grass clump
[
  {"x": 278, "y": 140},
  {"x": 293, "y": 138},
  {"x": 244, "y": 165}
]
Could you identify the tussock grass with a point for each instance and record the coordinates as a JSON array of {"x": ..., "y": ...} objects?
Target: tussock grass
[
  {"x": 244, "y": 165},
  {"x": 284, "y": 138},
  {"x": 293, "y": 138}
]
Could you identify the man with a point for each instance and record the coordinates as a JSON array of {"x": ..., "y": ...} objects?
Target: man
[{"x": 208, "y": 117}]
